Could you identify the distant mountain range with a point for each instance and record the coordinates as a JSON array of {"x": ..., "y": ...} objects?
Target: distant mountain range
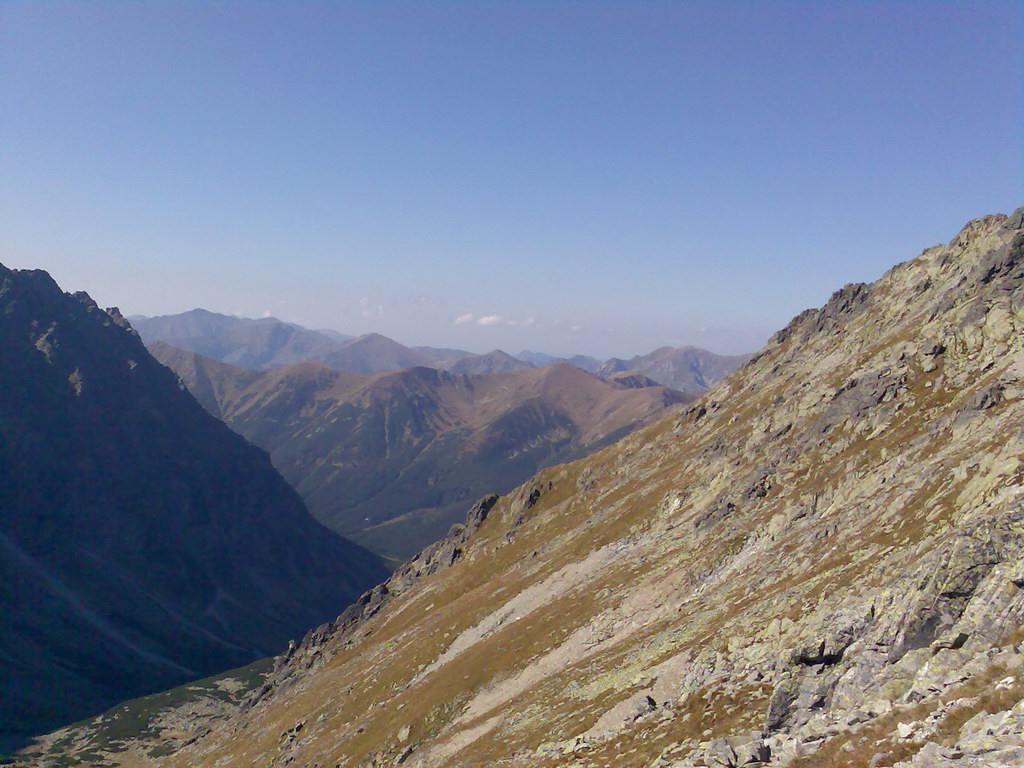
[
  {"x": 393, "y": 459},
  {"x": 587, "y": 363},
  {"x": 142, "y": 543},
  {"x": 271, "y": 343},
  {"x": 263, "y": 343},
  {"x": 690, "y": 369}
]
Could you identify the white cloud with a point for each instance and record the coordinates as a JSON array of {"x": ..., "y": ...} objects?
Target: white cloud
[
  {"x": 366, "y": 308},
  {"x": 266, "y": 313},
  {"x": 488, "y": 321},
  {"x": 576, "y": 328}
]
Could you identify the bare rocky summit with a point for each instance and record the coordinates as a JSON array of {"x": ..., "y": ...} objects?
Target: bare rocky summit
[{"x": 818, "y": 564}]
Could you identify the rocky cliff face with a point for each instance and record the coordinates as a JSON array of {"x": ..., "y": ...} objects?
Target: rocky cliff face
[
  {"x": 818, "y": 564},
  {"x": 393, "y": 460},
  {"x": 142, "y": 543}
]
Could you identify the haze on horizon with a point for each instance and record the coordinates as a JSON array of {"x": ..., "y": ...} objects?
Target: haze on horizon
[{"x": 597, "y": 178}]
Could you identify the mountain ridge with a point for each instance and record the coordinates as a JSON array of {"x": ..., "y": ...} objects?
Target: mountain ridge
[{"x": 270, "y": 343}]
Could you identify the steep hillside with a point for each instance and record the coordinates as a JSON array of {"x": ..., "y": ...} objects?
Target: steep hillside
[
  {"x": 820, "y": 564},
  {"x": 689, "y": 369},
  {"x": 142, "y": 543},
  {"x": 392, "y": 460}
]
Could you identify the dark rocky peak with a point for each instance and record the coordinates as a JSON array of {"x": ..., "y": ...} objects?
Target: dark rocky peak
[{"x": 120, "y": 320}]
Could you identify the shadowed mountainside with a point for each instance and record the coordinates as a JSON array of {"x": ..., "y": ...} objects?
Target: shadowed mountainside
[
  {"x": 142, "y": 543},
  {"x": 392, "y": 460}
]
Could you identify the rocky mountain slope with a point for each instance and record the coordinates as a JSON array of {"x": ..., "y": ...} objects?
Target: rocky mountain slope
[
  {"x": 819, "y": 564},
  {"x": 142, "y": 543},
  {"x": 392, "y": 460}
]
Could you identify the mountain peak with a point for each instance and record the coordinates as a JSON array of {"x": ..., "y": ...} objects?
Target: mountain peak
[
  {"x": 373, "y": 337},
  {"x": 495, "y": 361}
]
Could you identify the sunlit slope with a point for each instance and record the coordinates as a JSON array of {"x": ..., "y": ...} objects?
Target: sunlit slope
[{"x": 818, "y": 563}]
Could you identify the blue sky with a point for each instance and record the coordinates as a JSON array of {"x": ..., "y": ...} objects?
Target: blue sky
[{"x": 590, "y": 177}]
